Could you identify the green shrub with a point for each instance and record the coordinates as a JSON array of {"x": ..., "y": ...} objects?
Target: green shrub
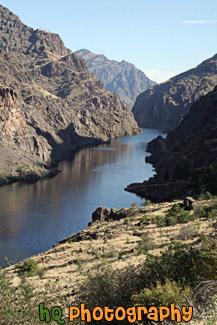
[
  {"x": 207, "y": 243},
  {"x": 79, "y": 263},
  {"x": 181, "y": 263},
  {"x": 173, "y": 216},
  {"x": 109, "y": 287},
  {"x": 177, "y": 215},
  {"x": 127, "y": 221},
  {"x": 18, "y": 305},
  {"x": 121, "y": 254},
  {"x": 162, "y": 295},
  {"x": 147, "y": 202},
  {"x": 160, "y": 221},
  {"x": 104, "y": 255},
  {"x": 144, "y": 220},
  {"x": 146, "y": 243},
  {"x": 208, "y": 195},
  {"x": 28, "y": 268},
  {"x": 161, "y": 279},
  {"x": 208, "y": 212},
  {"x": 21, "y": 169},
  {"x": 212, "y": 318}
]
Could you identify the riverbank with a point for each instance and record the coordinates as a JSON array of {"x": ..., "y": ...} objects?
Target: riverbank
[
  {"x": 116, "y": 239},
  {"x": 64, "y": 203},
  {"x": 26, "y": 168}
]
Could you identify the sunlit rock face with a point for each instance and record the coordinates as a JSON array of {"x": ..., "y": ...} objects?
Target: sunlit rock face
[{"x": 50, "y": 103}]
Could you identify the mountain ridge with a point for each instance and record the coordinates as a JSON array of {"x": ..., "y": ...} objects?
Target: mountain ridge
[
  {"x": 165, "y": 104},
  {"x": 122, "y": 77},
  {"x": 52, "y": 91}
]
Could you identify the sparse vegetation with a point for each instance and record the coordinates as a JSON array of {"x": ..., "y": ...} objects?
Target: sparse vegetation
[
  {"x": 121, "y": 254},
  {"x": 18, "y": 305},
  {"x": 174, "y": 215},
  {"x": 127, "y": 221},
  {"x": 177, "y": 215},
  {"x": 132, "y": 211},
  {"x": 168, "y": 278},
  {"x": 147, "y": 203},
  {"x": 208, "y": 212},
  {"x": 162, "y": 295},
  {"x": 212, "y": 318},
  {"x": 187, "y": 232},
  {"x": 163, "y": 277},
  {"x": 146, "y": 243},
  {"x": 78, "y": 262},
  {"x": 29, "y": 268}
]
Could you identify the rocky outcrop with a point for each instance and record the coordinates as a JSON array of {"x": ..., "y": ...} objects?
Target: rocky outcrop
[
  {"x": 165, "y": 104},
  {"x": 106, "y": 214},
  {"x": 186, "y": 161},
  {"x": 50, "y": 103},
  {"x": 123, "y": 77},
  {"x": 12, "y": 119}
]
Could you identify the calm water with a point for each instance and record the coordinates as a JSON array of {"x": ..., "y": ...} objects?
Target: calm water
[{"x": 33, "y": 217}]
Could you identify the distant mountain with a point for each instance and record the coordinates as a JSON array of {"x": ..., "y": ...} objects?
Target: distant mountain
[
  {"x": 165, "y": 104},
  {"x": 123, "y": 78},
  {"x": 50, "y": 103},
  {"x": 186, "y": 161}
]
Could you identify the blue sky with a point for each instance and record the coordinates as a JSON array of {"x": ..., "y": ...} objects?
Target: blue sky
[{"x": 161, "y": 37}]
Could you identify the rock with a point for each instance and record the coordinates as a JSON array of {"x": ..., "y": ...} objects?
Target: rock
[
  {"x": 189, "y": 203},
  {"x": 138, "y": 234},
  {"x": 156, "y": 191},
  {"x": 185, "y": 162},
  {"x": 81, "y": 236},
  {"x": 50, "y": 103},
  {"x": 106, "y": 214},
  {"x": 165, "y": 104},
  {"x": 101, "y": 213},
  {"x": 123, "y": 78}
]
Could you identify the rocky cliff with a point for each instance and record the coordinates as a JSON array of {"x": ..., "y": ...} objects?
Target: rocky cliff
[
  {"x": 50, "y": 103},
  {"x": 165, "y": 104},
  {"x": 186, "y": 161},
  {"x": 123, "y": 77}
]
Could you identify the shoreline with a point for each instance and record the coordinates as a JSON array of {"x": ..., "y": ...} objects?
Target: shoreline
[{"x": 50, "y": 170}]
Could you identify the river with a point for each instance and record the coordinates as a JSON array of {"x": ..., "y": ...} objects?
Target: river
[{"x": 33, "y": 217}]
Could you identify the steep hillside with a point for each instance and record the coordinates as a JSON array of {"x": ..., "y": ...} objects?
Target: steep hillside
[
  {"x": 186, "y": 161},
  {"x": 123, "y": 78},
  {"x": 118, "y": 255},
  {"x": 50, "y": 103},
  {"x": 165, "y": 104}
]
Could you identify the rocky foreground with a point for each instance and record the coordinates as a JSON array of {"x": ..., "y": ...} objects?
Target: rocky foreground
[
  {"x": 50, "y": 103},
  {"x": 115, "y": 240}
]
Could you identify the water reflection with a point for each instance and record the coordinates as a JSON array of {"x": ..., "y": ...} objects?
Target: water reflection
[{"x": 35, "y": 216}]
